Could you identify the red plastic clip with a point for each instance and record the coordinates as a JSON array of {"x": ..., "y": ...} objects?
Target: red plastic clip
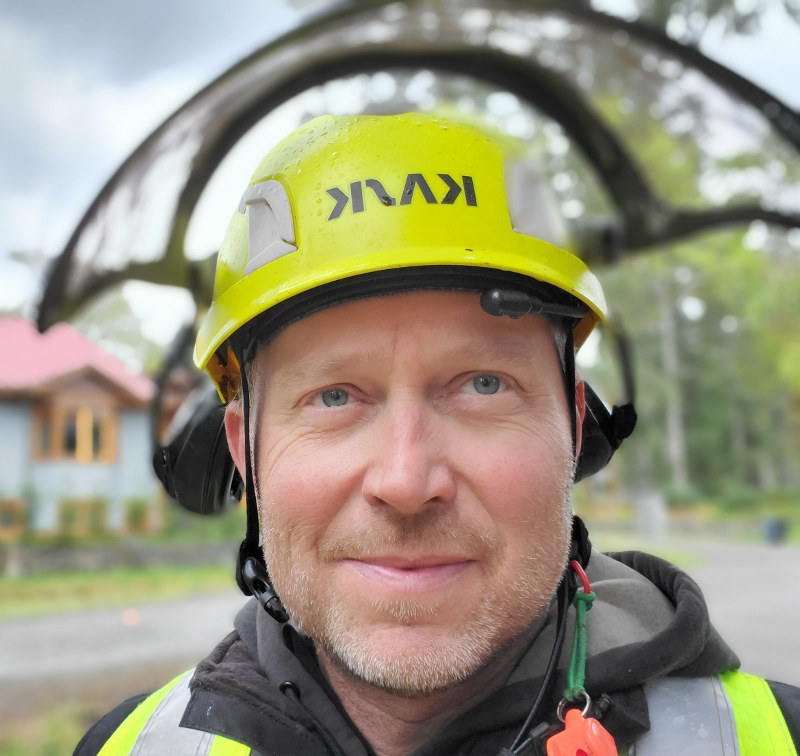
[
  {"x": 587, "y": 588},
  {"x": 582, "y": 736}
]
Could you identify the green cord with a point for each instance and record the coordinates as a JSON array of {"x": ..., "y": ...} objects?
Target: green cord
[{"x": 576, "y": 672}]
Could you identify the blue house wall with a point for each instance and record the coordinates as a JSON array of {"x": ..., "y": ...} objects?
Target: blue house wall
[
  {"x": 45, "y": 484},
  {"x": 15, "y": 445}
]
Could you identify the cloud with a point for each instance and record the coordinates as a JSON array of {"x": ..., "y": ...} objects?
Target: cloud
[
  {"x": 769, "y": 57},
  {"x": 130, "y": 40},
  {"x": 86, "y": 82}
]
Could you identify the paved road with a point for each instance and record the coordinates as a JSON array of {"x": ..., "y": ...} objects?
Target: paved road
[
  {"x": 753, "y": 595},
  {"x": 106, "y": 655}
]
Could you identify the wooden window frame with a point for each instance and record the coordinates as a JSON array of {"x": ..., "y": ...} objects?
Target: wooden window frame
[{"x": 86, "y": 416}]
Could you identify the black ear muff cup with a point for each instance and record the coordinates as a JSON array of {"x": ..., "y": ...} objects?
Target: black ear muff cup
[
  {"x": 195, "y": 466},
  {"x": 602, "y": 433}
]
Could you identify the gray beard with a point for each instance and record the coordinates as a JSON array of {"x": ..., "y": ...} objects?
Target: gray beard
[{"x": 438, "y": 661}]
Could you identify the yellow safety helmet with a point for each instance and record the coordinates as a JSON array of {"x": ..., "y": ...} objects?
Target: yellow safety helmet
[{"x": 366, "y": 205}]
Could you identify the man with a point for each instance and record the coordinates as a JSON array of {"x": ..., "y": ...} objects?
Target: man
[{"x": 397, "y": 360}]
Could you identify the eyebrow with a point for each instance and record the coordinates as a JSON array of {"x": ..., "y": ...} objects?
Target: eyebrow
[{"x": 318, "y": 367}]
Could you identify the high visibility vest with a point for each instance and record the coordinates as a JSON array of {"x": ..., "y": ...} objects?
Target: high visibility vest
[
  {"x": 731, "y": 715},
  {"x": 152, "y": 728},
  {"x": 734, "y": 714}
]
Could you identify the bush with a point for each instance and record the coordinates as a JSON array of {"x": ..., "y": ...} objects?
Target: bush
[{"x": 180, "y": 524}]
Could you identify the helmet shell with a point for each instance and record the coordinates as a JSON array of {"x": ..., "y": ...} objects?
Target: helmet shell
[{"x": 346, "y": 196}]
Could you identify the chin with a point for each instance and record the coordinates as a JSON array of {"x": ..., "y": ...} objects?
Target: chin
[{"x": 413, "y": 660}]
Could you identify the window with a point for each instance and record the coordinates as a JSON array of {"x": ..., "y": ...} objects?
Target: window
[{"x": 85, "y": 434}]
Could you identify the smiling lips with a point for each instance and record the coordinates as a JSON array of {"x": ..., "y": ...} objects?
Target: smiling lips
[{"x": 404, "y": 574}]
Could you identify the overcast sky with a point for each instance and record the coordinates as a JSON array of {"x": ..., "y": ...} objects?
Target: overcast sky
[{"x": 85, "y": 81}]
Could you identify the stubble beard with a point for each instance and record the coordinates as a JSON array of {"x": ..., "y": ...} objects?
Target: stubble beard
[{"x": 434, "y": 661}]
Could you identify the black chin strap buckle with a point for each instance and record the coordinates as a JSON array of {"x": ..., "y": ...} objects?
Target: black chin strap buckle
[
  {"x": 581, "y": 546},
  {"x": 253, "y": 579}
]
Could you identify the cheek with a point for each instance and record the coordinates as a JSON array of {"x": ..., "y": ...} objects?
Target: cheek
[
  {"x": 523, "y": 487},
  {"x": 302, "y": 486},
  {"x": 520, "y": 472}
]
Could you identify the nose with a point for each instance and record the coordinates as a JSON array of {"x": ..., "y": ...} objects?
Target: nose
[{"x": 409, "y": 469}]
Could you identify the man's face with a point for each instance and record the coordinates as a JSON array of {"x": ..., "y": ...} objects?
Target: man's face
[{"x": 413, "y": 465}]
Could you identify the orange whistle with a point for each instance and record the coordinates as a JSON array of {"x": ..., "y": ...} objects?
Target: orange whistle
[{"x": 582, "y": 736}]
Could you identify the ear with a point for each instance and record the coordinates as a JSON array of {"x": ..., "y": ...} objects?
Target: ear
[
  {"x": 234, "y": 431},
  {"x": 580, "y": 413}
]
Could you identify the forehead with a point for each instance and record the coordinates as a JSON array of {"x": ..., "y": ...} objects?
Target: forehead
[{"x": 439, "y": 325}]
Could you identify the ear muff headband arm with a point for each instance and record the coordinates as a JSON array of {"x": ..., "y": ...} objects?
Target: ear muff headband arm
[
  {"x": 604, "y": 431},
  {"x": 568, "y": 371}
]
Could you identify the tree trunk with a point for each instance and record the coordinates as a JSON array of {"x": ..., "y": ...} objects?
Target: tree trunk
[{"x": 671, "y": 365}]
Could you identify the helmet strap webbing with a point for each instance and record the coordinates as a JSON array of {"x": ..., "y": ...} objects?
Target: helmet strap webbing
[
  {"x": 568, "y": 375},
  {"x": 251, "y": 567}
]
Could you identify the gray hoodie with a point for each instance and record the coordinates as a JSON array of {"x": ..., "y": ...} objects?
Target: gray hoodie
[{"x": 262, "y": 685}]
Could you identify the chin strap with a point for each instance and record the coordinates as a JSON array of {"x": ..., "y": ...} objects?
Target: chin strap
[
  {"x": 251, "y": 569},
  {"x": 568, "y": 374}
]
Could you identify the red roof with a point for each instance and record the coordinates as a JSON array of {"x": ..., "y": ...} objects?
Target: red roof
[{"x": 30, "y": 360}]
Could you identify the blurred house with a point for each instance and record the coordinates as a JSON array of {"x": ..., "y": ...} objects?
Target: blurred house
[{"x": 75, "y": 436}]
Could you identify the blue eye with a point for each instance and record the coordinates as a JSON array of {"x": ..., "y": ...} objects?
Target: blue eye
[
  {"x": 485, "y": 384},
  {"x": 334, "y": 397}
]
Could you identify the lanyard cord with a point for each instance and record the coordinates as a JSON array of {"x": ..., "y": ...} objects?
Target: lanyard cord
[
  {"x": 576, "y": 672},
  {"x": 561, "y": 625}
]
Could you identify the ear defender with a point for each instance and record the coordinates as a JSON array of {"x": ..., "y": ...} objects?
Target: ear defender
[
  {"x": 603, "y": 432},
  {"x": 196, "y": 468},
  {"x": 195, "y": 465}
]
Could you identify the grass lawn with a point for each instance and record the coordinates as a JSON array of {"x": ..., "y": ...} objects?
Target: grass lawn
[
  {"x": 57, "y": 592},
  {"x": 54, "y": 733}
]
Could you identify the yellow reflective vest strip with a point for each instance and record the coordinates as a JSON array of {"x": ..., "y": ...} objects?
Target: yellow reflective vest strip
[
  {"x": 759, "y": 722},
  {"x": 737, "y": 713},
  {"x": 124, "y": 737},
  {"x": 224, "y": 747},
  {"x": 156, "y": 720}
]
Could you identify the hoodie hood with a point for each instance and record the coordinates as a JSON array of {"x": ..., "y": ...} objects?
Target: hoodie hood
[{"x": 648, "y": 620}]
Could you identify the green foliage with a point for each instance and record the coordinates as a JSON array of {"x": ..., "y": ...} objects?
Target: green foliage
[
  {"x": 117, "y": 586},
  {"x": 137, "y": 511},
  {"x": 83, "y": 518},
  {"x": 779, "y": 502},
  {"x": 182, "y": 525},
  {"x": 735, "y": 314},
  {"x": 52, "y": 734}
]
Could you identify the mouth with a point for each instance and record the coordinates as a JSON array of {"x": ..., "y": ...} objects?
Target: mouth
[{"x": 405, "y": 574}]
